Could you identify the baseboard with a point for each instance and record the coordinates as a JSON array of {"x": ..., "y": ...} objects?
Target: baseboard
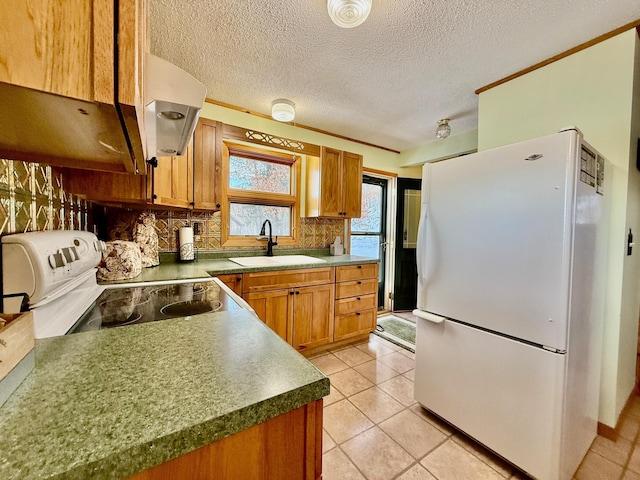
[
  {"x": 610, "y": 432},
  {"x": 607, "y": 432}
]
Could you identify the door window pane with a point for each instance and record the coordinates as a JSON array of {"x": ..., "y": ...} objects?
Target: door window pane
[
  {"x": 411, "y": 218},
  {"x": 365, "y": 245},
  {"x": 371, "y": 219},
  {"x": 258, "y": 175},
  {"x": 247, "y": 219}
]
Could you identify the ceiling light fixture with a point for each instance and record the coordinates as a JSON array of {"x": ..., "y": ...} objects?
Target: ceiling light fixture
[
  {"x": 443, "y": 129},
  {"x": 283, "y": 110},
  {"x": 348, "y": 13}
]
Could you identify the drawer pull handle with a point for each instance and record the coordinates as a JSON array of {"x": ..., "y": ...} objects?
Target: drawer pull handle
[
  {"x": 357, "y": 298},
  {"x": 359, "y": 282},
  {"x": 357, "y": 313}
]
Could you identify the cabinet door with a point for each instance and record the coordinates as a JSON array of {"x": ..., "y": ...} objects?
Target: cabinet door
[
  {"x": 172, "y": 181},
  {"x": 206, "y": 164},
  {"x": 65, "y": 48},
  {"x": 273, "y": 308},
  {"x": 330, "y": 182},
  {"x": 312, "y": 316},
  {"x": 351, "y": 185},
  {"x": 233, "y": 281},
  {"x": 59, "y": 67},
  {"x": 132, "y": 46}
]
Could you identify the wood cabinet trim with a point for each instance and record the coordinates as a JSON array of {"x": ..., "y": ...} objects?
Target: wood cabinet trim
[{"x": 274, "y": 280}]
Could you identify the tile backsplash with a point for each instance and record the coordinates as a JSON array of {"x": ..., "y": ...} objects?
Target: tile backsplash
[
  {"x": 32, "y": 198},
  {"x": 315, "y": 232}
]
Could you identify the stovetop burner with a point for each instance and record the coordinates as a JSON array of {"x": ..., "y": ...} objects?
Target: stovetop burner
[{"x": 130, "y": 305}]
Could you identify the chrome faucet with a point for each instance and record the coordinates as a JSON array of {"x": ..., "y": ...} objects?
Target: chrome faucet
[{"x": 270, "y": 242}]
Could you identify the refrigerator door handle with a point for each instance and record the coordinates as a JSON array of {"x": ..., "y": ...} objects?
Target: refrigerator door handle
[
  {"x": 429, "y": 316},
  {"x": 422, "y": 238}
]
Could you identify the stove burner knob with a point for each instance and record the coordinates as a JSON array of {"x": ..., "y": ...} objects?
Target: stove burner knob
[
  {"x": 62, "y": 257},
  {"x": 52, "y": 261}
]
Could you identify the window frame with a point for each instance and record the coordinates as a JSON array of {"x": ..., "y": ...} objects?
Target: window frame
[{"x": 254, "y": 197}]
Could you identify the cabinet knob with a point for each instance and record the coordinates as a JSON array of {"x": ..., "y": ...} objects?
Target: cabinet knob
[
  {"x": 359, "y": 282},
  {"x": 218, "y": 205},
  {"x": 357, "y": 313},
  {"x": 291, "y": 292},
  {"x": 154, "y": 196},
  {"x": 298, "y": 292},
  {"x": 359, "y": 266},
  {"x": 358, "y": 298},
  {"x": 239, "y": 279},
  {"x": 192, "y": 204}
]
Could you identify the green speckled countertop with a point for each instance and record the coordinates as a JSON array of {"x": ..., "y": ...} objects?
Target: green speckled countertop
[
  {"x": 110, "y": 403},
  {"x": 205, "y": 267}
]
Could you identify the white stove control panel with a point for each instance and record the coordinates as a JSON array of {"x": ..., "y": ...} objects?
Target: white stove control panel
[{"x": 38, "y": 265}]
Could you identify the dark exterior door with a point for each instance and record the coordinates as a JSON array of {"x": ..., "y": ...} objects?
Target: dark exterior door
[{"x": 406, "y": 272}]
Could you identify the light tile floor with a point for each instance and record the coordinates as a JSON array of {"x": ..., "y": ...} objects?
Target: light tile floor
[{"x": 374, "y": 429}]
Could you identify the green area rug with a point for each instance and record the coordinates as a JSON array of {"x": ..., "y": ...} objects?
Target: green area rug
[{"x": 397, "y": 330}]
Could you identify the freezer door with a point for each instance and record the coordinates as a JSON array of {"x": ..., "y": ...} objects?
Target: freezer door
[
  {"x": 505, "y": 394},
  {"x": 496, "y": 237}
]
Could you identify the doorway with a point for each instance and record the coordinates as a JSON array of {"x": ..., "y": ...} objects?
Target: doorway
[
  {"x": 405, "y": 283},
  {"x": 369, "y": 232}
]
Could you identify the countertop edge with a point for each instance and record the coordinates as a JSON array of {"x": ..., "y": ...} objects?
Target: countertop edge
[
  {"x": 221, "y": 266},
  {"x": 163, "y": 449}
]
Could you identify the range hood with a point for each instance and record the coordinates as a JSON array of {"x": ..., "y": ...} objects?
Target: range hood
[{"x": 173, "y": 100}]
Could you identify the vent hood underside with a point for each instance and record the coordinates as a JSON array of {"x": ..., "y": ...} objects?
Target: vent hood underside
[{"x": 173, "y": 100}]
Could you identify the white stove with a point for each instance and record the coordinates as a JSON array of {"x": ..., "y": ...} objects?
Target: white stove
[{"x": 53, "y": 274}]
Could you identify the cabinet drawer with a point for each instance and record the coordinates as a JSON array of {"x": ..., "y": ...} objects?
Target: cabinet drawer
[
  {"x": 262, "y": 281},
  {"x": 356, "y": 272},
  {"x": 352, "y": 324},
  {"x": 358, "y": 287},
  {"x": 355, "y": 304}
]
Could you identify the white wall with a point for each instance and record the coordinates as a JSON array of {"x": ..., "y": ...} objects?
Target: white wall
[
  {"x": 593, "y": 90},
  {"x": 375, "y": 158}
]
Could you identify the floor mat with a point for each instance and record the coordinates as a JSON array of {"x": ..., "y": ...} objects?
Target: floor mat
[{"x": 397, "y": 330}]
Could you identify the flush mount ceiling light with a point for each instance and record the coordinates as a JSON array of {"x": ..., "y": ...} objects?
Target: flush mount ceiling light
[
  {"x": 443, "y": 129},
  {"x": 283, "y": 110},
  {"x": 348, "y": 13}
]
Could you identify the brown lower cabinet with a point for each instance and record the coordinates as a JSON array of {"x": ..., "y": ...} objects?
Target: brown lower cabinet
[
  {"x": 286, "y": 447},
  {"x": 313, "y": 307},
  {"x": 297, "y": 304}
]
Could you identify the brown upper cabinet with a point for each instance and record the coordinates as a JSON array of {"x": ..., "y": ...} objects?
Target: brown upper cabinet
[
  {"x": 334, "y": 184},
  {"x": 186, "y": 181},
  {"x": 71, "y": 83}
]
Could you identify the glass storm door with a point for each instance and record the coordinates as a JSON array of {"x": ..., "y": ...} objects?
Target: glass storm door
[{"x": 368, "y": 233}]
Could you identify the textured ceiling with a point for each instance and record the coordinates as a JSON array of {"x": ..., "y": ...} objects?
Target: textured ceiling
[{"x": 386, "y": 82}]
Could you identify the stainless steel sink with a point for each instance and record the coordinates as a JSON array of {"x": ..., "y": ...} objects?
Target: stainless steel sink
[{"x": 263, "y": 261}]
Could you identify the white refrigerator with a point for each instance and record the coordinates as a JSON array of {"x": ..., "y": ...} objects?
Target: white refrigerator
[{"x": 511, "y": 262}]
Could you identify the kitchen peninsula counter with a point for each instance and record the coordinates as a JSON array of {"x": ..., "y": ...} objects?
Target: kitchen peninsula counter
[
  {"x": 110, "y": 403},
  {"x": 205, "y": 267}
]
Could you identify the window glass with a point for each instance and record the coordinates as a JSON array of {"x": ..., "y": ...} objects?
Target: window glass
[
  {"x": 257, "y": 175},
  {"x": 247, "y": 219}
]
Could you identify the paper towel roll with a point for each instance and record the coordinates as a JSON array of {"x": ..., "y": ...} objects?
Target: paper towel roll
[{"x": 185, "y": 244}]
